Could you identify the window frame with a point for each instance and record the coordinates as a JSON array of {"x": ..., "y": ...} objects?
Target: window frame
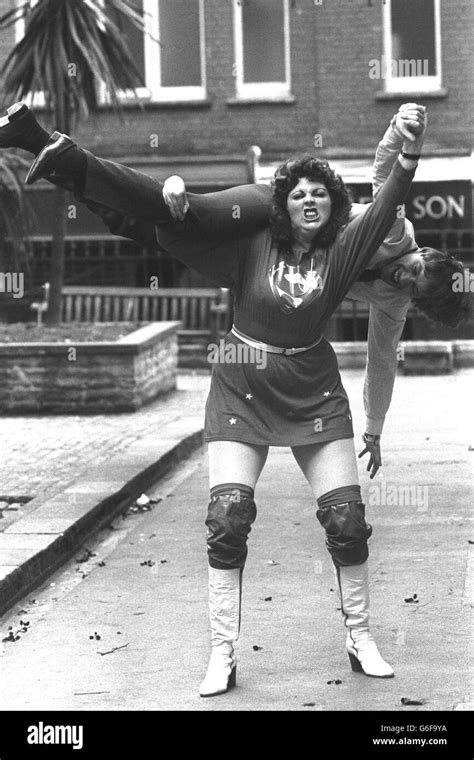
[
  {"x": 153, "y": 61},
  {"x": 259, "y": 91},
  {"x": 415, "y": 84},
  {"x": 153, "y": 92},
  {"x": 38, "y": 100}
]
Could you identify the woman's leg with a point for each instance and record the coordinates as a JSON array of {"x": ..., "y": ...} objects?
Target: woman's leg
[
  {"x": 328, "y": 465},
  {"x": 331, "y": 470},
  {"x": 234, "y": 469},
  {"x": 234, "y": 461}
]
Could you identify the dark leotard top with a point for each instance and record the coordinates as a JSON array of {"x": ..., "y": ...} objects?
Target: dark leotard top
[{"x": 277, "y": 300}]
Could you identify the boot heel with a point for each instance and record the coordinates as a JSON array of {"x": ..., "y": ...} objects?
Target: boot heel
[
  {"x": 232, "y": 678},
  {"x": 355, "y": 664}
]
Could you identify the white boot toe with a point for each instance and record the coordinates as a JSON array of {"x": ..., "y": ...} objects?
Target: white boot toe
[
  {"x": 220, "y": 676},
  {"x": 366, "y": 658}
]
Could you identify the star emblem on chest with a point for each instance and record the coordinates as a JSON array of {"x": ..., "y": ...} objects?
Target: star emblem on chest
[{"x": 295, "y": 286}]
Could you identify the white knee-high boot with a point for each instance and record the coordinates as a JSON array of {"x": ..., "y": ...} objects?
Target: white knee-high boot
[
  {"x": 362, "y": 650},
  {"x": 224, "y": 615}
]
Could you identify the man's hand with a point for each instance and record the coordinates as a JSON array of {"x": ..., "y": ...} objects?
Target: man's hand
[
  {"x": 410, "y": 121},
  {"x": 372, "y": 446},
  {"x": 174, "y": 195}
]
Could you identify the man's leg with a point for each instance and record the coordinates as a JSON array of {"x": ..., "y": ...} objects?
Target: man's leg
[{"x": 234, "y": 212}]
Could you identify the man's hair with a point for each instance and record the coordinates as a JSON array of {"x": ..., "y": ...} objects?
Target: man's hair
[
  {"x": 442, "y": 304},
  {"x": 286, "y": 178}
]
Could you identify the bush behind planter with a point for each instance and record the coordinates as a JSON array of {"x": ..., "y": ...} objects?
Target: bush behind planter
[{"x": 89, "y": 377}]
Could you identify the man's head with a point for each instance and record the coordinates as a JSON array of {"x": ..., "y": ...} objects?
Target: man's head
[{"x": 426, "y": 275}]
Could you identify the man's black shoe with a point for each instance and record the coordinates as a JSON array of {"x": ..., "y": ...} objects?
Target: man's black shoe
[
  {"x": 16, "y": 126},
  {"x": 43, "y": 165}
]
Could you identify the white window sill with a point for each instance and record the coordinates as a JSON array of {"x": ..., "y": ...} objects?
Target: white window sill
[
  {"x": 442, "y": 92},
  {"x": 277, "y": 100},
  {"x": 147, "y": 105}
]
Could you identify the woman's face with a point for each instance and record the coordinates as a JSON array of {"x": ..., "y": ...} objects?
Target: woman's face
[{"x": 309, "y": 208}]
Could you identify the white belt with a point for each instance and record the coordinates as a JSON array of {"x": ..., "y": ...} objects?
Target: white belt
[{"x": 271, "y": 349}]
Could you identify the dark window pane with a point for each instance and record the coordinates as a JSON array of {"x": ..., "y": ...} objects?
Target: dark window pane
[
  {"x": 263, "y": 41},
  {"x": 180, "y": 48},
  {"x": 413, "y": 36},
  {"x": 133, "y": 38}
]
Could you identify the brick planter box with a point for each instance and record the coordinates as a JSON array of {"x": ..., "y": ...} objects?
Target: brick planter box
[{"x": 89, "y": 377}]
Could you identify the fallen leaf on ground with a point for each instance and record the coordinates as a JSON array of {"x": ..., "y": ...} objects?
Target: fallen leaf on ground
[
  {"x": 84, "y": 693},
  {"x": 408, "y": 701},
  {"x": 87, "y": 555},
  {"x": 15, "y": 635},
  {"x": 11, "y": 637},
  {"x": 114, "y": 649}
]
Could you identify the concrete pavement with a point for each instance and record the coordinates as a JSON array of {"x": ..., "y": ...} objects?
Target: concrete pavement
[
  {"x": 145, "y": 590},
  {"x": 63, "y": 476}
]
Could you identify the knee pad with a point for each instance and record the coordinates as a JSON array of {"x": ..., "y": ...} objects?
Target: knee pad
[
  {"x": 231, "y": 513},
  {"x": 346, "y": 528}
]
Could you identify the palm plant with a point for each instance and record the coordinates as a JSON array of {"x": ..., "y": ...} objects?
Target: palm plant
[
  {"x": 15, "y": 213},
  {"x": 69, "y": 48}
]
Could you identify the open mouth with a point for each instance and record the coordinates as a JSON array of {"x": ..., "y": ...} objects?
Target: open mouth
[{"x": 310, "y": 214}]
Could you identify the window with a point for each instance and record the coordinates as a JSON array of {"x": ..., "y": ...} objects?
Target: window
[
  {"x": 172, "y": 70},
  {"x": 262, "y": 49},
  {"x": 38, "y": 101},
  {"x": 175, "y": 68},
  {"x": 412, "y": 46},
  {"x": 134, "y": 39}
]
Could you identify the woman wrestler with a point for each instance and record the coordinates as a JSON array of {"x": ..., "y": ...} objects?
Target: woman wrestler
[{"x": 287, "y": 279}]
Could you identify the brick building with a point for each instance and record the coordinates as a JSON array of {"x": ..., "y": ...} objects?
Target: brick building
[{"x": 288, "y": 76}]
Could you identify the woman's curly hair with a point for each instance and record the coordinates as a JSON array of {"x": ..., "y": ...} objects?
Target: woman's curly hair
[
  {"x": 286, "y": 178},
  {"x": 445, "y": 303}
]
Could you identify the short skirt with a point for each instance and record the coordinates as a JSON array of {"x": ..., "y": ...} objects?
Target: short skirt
[{"x": 270, "y": 399}]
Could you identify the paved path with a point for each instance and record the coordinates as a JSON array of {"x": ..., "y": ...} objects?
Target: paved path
[
  {"x": 40, "y": 456},
  {"x": 151, "y": 592}
]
